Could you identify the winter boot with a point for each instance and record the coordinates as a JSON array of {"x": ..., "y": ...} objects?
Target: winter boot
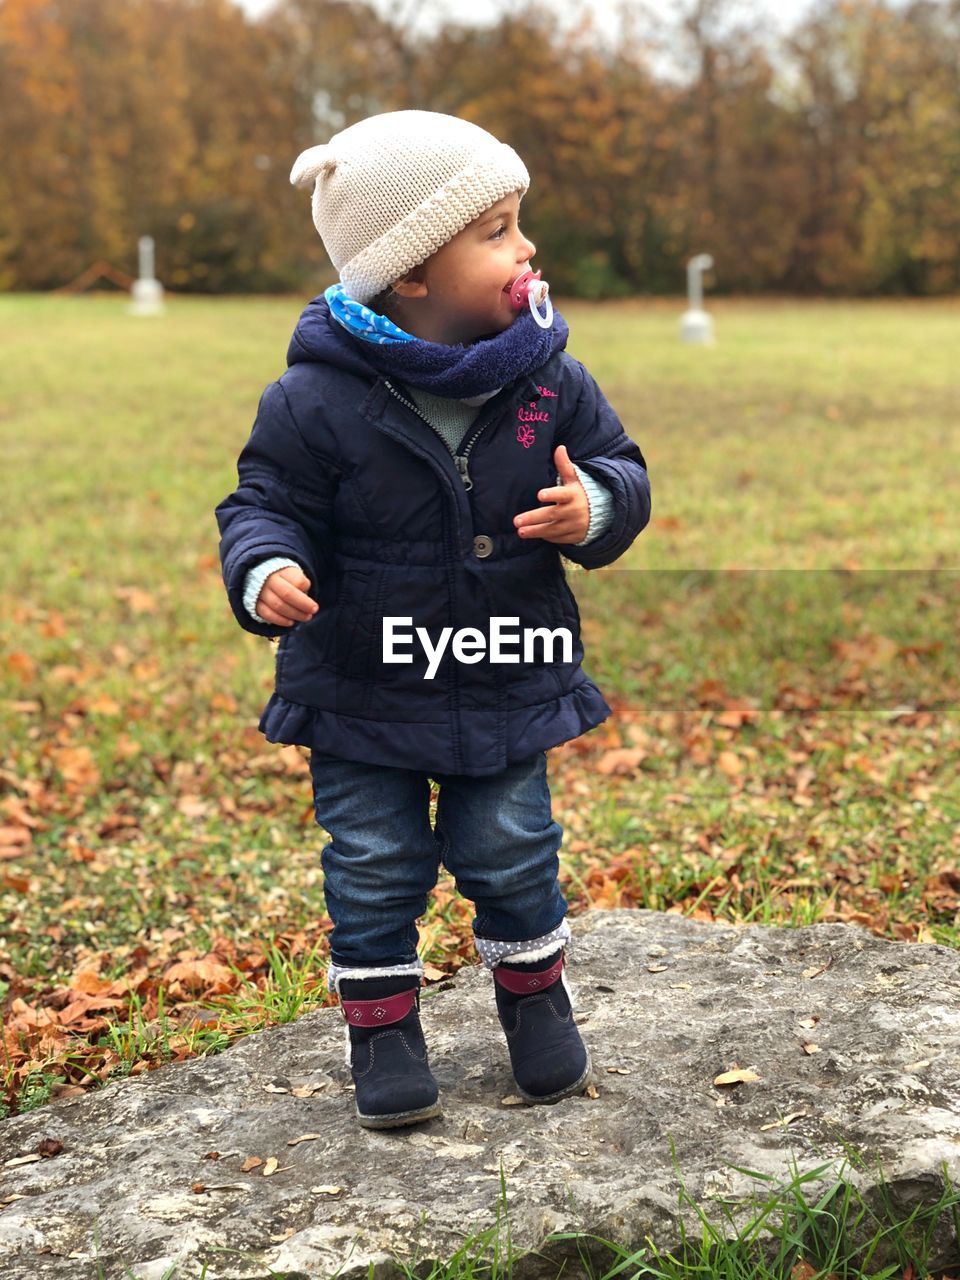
[
  {"x": 387, "y": 1053},
  {"x": 548, "y": 1058}
]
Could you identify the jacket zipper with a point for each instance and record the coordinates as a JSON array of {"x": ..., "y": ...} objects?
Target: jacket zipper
[{"x": 461, "y": 459}]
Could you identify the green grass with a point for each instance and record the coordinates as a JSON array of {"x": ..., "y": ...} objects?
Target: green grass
[{"x": 801, "y": 561}]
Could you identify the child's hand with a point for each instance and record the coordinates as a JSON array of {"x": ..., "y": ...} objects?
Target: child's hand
[
  {"x": 282, "y": 599},
  {"x": 567, "y": 518}
]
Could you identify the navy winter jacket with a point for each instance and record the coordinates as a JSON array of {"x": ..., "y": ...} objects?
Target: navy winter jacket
[{"x": 342, "y": 475}]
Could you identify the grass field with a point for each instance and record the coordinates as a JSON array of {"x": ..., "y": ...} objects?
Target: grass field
[{"x": 780, "y": 648}]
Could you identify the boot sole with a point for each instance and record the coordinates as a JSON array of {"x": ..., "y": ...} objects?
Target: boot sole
[
  {"x": 571, "y": 1089},
  {"x": 397, "y": 1119}
]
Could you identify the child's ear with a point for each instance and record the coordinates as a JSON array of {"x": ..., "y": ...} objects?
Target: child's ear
[{"x": 412, "y": 285}]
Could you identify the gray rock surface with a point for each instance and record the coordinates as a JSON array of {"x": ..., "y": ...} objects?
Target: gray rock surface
[{"x": 666, "y": 1005}]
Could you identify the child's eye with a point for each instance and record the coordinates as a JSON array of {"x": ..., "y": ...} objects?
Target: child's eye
[{"x": 498, "y": 234}]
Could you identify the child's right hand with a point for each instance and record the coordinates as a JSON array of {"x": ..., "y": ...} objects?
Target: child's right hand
[{"x": 282, "y": 599}]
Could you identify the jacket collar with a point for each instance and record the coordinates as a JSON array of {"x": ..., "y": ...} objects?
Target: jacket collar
[{"x": 457, "y": 372}]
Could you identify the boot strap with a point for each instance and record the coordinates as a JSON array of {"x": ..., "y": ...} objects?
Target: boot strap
[
  {"x": 379, "y": 1013},
  {"x": 528, "y": 983}
]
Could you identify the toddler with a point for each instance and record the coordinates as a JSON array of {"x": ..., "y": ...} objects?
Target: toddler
[{"x": 404, "y": 499}]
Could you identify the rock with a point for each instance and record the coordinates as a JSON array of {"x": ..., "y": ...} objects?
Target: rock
[{"x": 855, "y": 1042}]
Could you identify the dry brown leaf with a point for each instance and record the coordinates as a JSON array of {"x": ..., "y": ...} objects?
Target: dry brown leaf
[
  {"x": 433, "y": 974},
  {"x": 592, "y": 1091},
  {"x": 271, "y": 1167},
  {"x": 104, "y": 705},
  {"x": 809, "y": 1047},
  {"x": 783, "y": 1121},
  {"x": 251, "y": 1162},
  {"x": 77, "y": 766},
  {"x": 808, "y": 1023},
  {"x": 10, "y": 1199},
  {"x": 729, "y": 762},
  {"x": 326, "y": 1191},
  {"x": 623, "y": 760},
  {"x": 207, "y": 975},
  {"x": 14, "y": 841},
  {"x": 275, "y": 1088},
  {"x": 138, "y": 601},
  {"x": 306, "y": 1137},
  {"x": 511, "y": 1100},
  {"x": 18, "y": 1160},
  {"x": 739, "y": 1075}
]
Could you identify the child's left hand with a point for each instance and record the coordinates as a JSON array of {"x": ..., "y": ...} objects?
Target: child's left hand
[{"x": 567, "y": 517}]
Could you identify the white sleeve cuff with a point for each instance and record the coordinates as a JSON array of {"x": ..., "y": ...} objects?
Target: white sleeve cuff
[{"x": 256, "y": 577}]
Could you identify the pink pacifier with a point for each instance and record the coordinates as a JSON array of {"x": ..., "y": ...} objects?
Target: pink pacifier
[{"x": 530, "y": 289}]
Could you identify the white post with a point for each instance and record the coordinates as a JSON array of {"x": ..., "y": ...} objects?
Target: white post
[
  {"x": 695, "y": 325},
  {"x": 147, "y": 292}
]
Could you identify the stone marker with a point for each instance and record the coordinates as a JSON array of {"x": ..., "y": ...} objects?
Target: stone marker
[
  {"x": 696, "y": 325},
  {"x": 854, "y": 1040},
  {"x": 146, "y": 293}
]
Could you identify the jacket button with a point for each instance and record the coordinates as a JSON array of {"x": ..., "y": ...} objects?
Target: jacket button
[{"x": 482, "y": 546}]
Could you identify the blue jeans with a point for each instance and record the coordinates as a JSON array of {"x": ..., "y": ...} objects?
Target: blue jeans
[{"x": 495, "y": 835}]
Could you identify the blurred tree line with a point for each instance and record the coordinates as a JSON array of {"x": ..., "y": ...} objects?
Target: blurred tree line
[{"x": 825, "y": 160}]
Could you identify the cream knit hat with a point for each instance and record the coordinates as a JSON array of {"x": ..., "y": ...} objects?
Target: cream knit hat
[{"x": 390, "y": 190}]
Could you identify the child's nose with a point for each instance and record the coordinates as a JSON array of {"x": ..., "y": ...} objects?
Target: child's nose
[{"x": 527, "y": 249}]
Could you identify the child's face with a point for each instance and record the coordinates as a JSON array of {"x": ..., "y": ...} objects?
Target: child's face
[{"x": 459, "y": 294}]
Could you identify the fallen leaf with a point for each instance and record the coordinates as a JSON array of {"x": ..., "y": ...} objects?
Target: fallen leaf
[
  {"x": 306, "y": 1137},
  {"x": 18, "y": 1160},
  {"x": 47, "y": 1147},
  {"x": 591, "y": 1091},
  {"x": 808, "y": 1047},
  {"x": 433, "y": 974},
  {"x": 729, "y": 762},
  {"x": 251, "y": 1162},
  {"x": 511, "y": 1100},
  {"x": 783, "y": 1121},
  {"x": 738, "y": 1076},
  {"x": 139, "y": 601},
  {"x": 207, "y": 975},
  {"x": 271, "y": 1167},
  {"x": 197, "y": 1187},
  {"x": 326, "y": 1191},
  {"x": 623, "y": 760},
  {"x": 274, "y": 1088},
  {"x": 10, "y": 1199},
  {"x": 808, "y": 1023}
]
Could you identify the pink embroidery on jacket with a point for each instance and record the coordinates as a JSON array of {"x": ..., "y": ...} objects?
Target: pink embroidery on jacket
[
  {"x": 545, "y": 391},
  {"x": 526, "y": 435}
]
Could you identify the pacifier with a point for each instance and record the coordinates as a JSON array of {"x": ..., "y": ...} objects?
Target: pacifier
[{"x": 529, "y": 288}]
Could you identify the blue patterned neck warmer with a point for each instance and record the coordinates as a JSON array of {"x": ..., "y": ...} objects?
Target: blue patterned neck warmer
[
  {"x": 474, "y": 372},
  {"x": 361, "y": 321}
]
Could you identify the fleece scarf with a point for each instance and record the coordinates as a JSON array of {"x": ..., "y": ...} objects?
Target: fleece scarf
[{"x": 475, "y": 371}]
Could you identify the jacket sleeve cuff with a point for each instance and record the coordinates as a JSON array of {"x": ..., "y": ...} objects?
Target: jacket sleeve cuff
[
  {"x": 255, "y": 579},
  {"x": 600, "y": 501}
]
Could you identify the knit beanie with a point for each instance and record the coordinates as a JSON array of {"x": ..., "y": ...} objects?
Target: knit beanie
[{"x": 391, "y": 190}]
